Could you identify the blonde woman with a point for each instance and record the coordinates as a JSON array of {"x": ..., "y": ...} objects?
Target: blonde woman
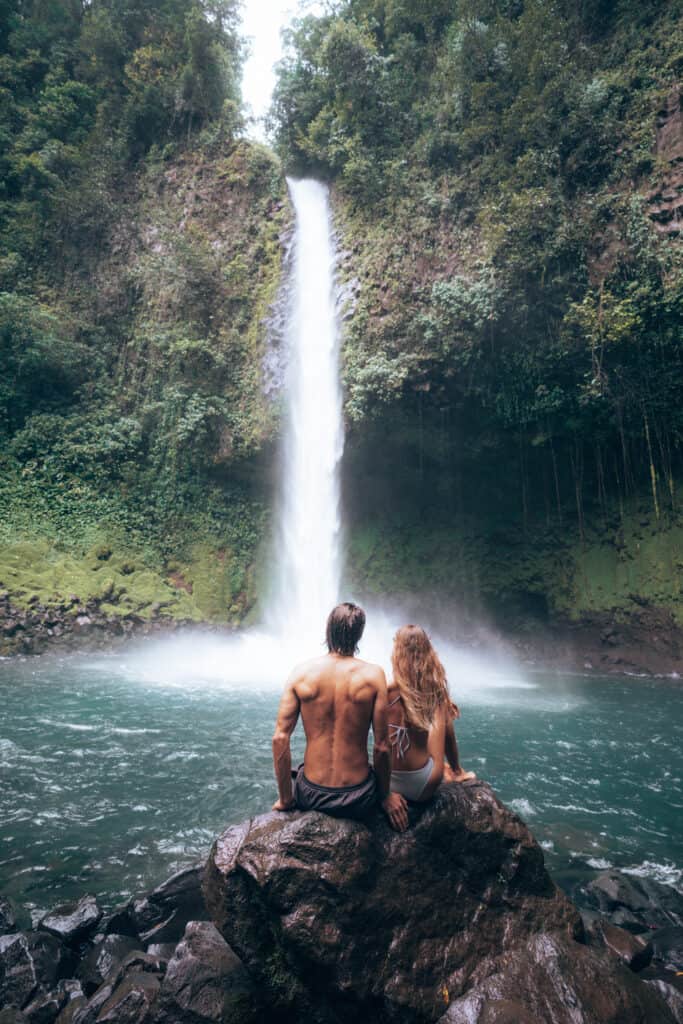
[{"x": 421, "y": 715}]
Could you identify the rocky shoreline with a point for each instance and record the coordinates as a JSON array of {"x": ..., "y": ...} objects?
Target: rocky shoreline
[
  {"x": 648, "y": 643},
  {"x": 300, "y": 917},
  {"x": 72, "y": 625}
]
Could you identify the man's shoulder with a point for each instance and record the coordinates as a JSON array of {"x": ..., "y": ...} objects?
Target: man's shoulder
[
  {"x": 305, "y": 668},
  {"x": 370, "y": 671}
]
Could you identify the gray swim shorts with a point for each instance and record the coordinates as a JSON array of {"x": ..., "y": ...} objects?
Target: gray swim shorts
[{"x": 356, "y": 802}]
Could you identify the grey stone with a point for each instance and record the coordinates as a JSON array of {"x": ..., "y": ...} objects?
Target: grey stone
[
  {"x": 205, "y": 982},
  {"x": 18, "y": 978},
  {"x": 8, "y": 920},
  {"x": 73, "y": 922},
  {"x": 99, "y": 962}
]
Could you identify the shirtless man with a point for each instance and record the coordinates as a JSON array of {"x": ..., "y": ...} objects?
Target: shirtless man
[{"x": 339, "y": 698}]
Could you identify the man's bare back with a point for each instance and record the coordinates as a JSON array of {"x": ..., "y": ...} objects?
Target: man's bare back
[{"x": 339, "y": 698}]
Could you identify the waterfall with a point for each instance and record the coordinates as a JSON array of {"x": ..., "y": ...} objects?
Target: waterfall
[
  {"x": 307, "y": 553},
  {"x": 308, "y": 557}
]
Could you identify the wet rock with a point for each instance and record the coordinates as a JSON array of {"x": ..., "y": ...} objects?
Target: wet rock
[
  {"x": 11, "y": 1015},
  {"x": 206, "y": 982},
  {"x": 666, "y": 946},
  {"x": 120, "y": 922},
  {"x": 86, "y": 1012},
  {"x": 131, "y": 1002},
  {"x": 162, "y": 950},
  {"x": 161, "y": 916},
  {"x": 45, "y": 1007},
  {"x": 327, "y": 913},
  {"x": 8, "y": 921},
  {"x": 53, "y": 960},
  {"x": 102, "y": 959},
  {"x": 633, "y": 950},
  {"x": 673, "y": 997},
  {"x": 18, "y": 977},
  {"x": 553, "y": 980},
  {"x": 71, "y": 1010},
  {"x": 139, "y": 963},
  {"x": 636, "y": 904},
  {"x": 73, "y": 922}
]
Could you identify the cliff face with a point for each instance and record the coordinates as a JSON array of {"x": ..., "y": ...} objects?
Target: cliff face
[
  {"x": 133, "y": 498},
  {"x": 512, "y": 248}
]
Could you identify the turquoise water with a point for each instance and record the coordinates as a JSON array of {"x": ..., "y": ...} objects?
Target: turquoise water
[{"x": 109, "y": 780}]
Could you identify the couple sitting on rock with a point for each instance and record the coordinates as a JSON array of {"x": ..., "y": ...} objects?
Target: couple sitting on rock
[{"x": 339, "y": 698}]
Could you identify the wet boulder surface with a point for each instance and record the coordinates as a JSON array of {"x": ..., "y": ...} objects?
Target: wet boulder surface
[{"x": 336, "y": 921}]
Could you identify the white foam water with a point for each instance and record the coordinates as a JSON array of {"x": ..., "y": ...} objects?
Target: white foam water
[{"x": 308, "y": 576}]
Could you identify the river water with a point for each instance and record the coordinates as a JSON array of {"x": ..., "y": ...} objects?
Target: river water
[{"x": 112, "y": 776}]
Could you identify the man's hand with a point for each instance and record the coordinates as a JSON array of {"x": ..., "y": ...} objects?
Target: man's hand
[
  {"x": 280, "y": 805},
  {"x": 396, "y": 810}
]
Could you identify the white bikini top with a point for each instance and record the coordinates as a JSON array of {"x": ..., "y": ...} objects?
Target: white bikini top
[{"x": 399, "y": 737}]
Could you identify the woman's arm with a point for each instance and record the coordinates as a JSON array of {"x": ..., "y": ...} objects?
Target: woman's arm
[
  {"x": 452, "y": 756},
  {"x": 436, "y": 748}
]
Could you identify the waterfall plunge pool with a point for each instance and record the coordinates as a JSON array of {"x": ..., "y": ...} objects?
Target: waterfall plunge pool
[{"x": 111, "y": 779}]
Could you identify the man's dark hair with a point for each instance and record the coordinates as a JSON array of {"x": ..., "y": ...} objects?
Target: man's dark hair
[{"x": 345, "y": 625}]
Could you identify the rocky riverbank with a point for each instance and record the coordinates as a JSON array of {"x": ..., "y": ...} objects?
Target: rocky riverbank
[
  {"x": 72, "y": 625},
  {"x": 299, "y": 917},
  {"x": 648, "y": 643}
]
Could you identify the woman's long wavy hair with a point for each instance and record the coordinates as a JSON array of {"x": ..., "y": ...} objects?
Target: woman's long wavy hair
[{"x": 420, "y": 677}]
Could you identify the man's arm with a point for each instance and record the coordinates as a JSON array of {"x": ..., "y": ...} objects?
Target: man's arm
[
  {"x": 393, "y": 804},
  {"x": 287, "y": 717}
]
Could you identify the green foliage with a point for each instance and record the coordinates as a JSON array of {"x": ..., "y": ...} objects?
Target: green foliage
[
  {"x": 42, "y": 364},
  {"x": 139, "y": 254},
  {"x": 516, "y": 323}
]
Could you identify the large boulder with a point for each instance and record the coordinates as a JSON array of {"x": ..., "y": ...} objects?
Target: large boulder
[{"x": 335, "y": 919}]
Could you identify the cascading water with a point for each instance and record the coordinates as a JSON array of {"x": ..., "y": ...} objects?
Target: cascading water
[
  {"x": 309, "y": 536},
  {"x": 307, "y": 554}
]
